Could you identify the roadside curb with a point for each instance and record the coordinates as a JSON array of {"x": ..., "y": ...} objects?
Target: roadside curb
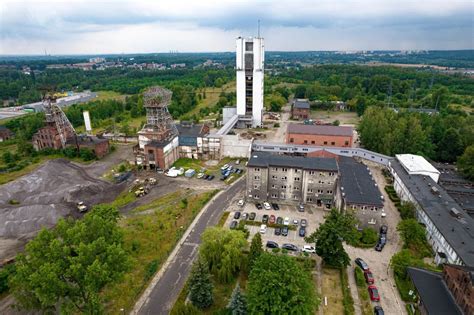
[{"x": 145, "y": 295}]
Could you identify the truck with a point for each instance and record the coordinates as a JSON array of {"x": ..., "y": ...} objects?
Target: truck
[
  {"x": 81, "y": 207},
  {"x": 142, "y": 191}
]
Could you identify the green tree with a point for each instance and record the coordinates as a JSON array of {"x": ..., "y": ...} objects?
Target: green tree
[
  {"x": 200, "y": 285},
  {"x": 414, "y": 237},
  {"x": 237, "y": 304},
  {"x": 256, "y": 249},
  {"x": 7, "y": 157},
  {"x": 278, "y": 285},
  {"x": 300, "y": 91},
  {"x": 63, "y": 269},
  {"x": 368, "y": 236},
  {"x": 329, "y": 237},
  {"x": 222, "y": 249},
  {"x": 466, "y": 162},
  {"x": 450, "y": 146}
]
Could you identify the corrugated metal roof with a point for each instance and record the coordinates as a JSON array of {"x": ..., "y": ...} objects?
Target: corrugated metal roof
[{"x": 325, "y": 130}]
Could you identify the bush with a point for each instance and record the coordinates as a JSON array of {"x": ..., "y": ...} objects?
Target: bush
[
  {"x": 151, "y": 269},
  {"x": 5, "y": 274},
  {"x": 276, "y": 125},
  {"x": 347, "y": 299},
  {"x": 407, "y": 210},
  {"x": 369, "y": 236},
  {"x": 359, "y": 277}
]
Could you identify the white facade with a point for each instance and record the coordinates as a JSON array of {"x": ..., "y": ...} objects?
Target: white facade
[{"x": 250, "y": 55}]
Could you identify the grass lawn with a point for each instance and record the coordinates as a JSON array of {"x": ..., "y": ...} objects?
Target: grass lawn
[
  {"x": 109, "y": 95},
  {"x": 350, "y": 118},
  {"x": 364, "y": 298},
  {"x": 212, "y": 97},
  {"x": 331, "y": 288},
  {"x": 150, "y": 239}
]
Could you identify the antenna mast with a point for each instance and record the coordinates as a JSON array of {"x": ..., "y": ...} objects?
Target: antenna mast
[{"x": 258, "y": 29}]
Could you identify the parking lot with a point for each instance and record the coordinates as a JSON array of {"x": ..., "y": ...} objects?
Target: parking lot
[{"x": 313, "y": 215}]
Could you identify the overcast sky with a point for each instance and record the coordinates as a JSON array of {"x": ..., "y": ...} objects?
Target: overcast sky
[{"x": 141, "y": 26}]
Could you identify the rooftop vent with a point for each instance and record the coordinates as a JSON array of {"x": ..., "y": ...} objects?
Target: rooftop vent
[
  {"x": 434, "y": 190},
  {"x": 455, "y": 213}
]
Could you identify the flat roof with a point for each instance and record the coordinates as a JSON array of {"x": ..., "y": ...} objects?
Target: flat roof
[
  {"x": 264, "y": 159},
  {"x": 459, "y": 233},
  {"x": 325, "y": 130},
  {"x": 416, "y": 163},
  {"x": 357, "y": 183},
  {"x": 434, "y": 293}
]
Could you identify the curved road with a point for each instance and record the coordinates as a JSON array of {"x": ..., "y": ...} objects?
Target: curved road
[{"x": 166, "y": 290}]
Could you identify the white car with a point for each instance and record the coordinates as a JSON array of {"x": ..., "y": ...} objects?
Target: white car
[
  {"x": 308, "y": 249},
  {"x": 263, "y": 229},
  {"x": 286, "y": 221},
  {"x": 295, "y": 222},
  {"x": 200, "y": 175},
  {"x": 240, "y": 203},
  {"x": 226, "y": 166},
  {"x": 267, "y": 206},
  {"x": 181, "y": 171}
]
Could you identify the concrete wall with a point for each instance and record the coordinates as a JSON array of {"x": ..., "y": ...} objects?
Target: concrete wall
[
  {"x": 234, "y": 146},
  {"x": 228, "y": 113}
]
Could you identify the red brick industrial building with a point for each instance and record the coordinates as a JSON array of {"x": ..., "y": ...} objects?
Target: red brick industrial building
[
  {"x": 100, "y": 146},
  {"x": 300, "y": 109},
  {"x": 321, "y": 135}
]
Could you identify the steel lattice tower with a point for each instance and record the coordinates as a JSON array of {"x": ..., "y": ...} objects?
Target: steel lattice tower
[
  {"x": 158, "y": 118},
  {"x": 55, "y": 117}
]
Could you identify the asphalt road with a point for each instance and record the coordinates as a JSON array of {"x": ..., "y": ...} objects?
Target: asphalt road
[{"x": 167, "y": 289}]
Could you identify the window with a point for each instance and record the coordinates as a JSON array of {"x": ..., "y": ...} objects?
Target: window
[
  {"x": 296, "y": 188},
  {"x": 309, "y": 199},
  {"x": 325, "y": 142},
  {"x": 256, "y": 177},
  {"x": 311, "y": 172},
  {"x": 333, "y": 143},
  {"x": 346, "y": 142},
  {"x": 320, "y": 191},
  {"x": 274, "y": 195},
  {"x": 275, "y": 169},
  {"x": 274, "y": 177},
  {"x": 329, "y": 191},
  {"x": 310, "y": 190},
  {"x": 312, "y": 142},
  {"x": 255, "y": 186},
  {"x": 306, "y": 142},
  {"x": 274, "y": 186},
  {"x": 296, "y": 170},
  {"x": 257, "y": 170},
  {"x": 283, "y": 186},
  {"x": 292, "y": 140},
  {"x": 283, "y": 178},
  {"x": 284, "y": 169},
  {"x": 256, "y": 197}
]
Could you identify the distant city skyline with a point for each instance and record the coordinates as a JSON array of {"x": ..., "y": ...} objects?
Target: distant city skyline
[{"x": 113, "y": 27}]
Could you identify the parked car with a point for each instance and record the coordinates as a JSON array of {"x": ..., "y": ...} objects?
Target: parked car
[
  {"x": 381, "y": 243},
  {"x": 378, "y": 310},
  {"x": 308, "y": 249},
  {"x": 267, "y": 206},
  {"x": 383, "y": 230},
  {"x": 295, "y": 222},
  {"x": 369, "y": 278},
  {"x": 265, "y": 218},
  {"x": 290, "y": 247},
  {"x": 200, "y": 175},
  {"x": 272, "y": 219},
  {"x": 238, "y": 171},
  {"x": 210, "y": 177},
  {"x": 263, "y": 229},
  {"x": 224, "y": 167},
  {"x": 374, "y": 293},
  {"x": 284, "y": 231},
  {"x": 362, "y": 264},
  {"x": 241, "y": 203},
  {"x": 206, "y": 176},
  {"x": 302, "y": 231},
  {"x": 286, "y": 221},
  {"x": 233, "y": 224},
  {"x": 279, "y": 220},
  {"x": 259, "y": 206},
  {"x": 237, "y": 215},
  {"x": 252, "y": 216},
  {"x": 272, "y": 244},
  {"x": 277, "y": 231},
  {"x": 301, "y": 207},
  {"x": 303, "y": 223},
  {"x": 245, "y": 216},
  {"x": 275, "y": 207}
]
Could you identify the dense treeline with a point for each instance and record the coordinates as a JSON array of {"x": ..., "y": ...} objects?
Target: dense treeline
[
  {"x": 27, "y": 88},
  {"x": 362, "y": 86},
  {"x": 442, "y": 137}
]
